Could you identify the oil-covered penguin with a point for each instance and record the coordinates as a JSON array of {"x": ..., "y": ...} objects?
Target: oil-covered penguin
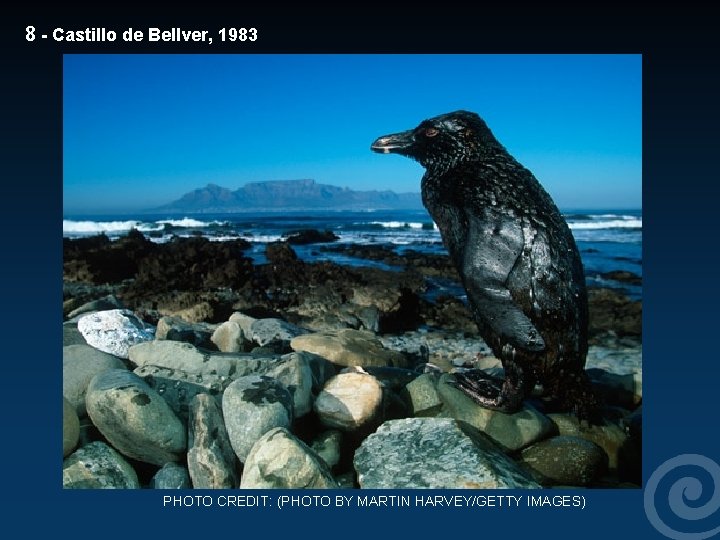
[{"x": 516, "y": 257}]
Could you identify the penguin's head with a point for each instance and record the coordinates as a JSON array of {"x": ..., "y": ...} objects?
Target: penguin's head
[{"x": 443, "y": 140}]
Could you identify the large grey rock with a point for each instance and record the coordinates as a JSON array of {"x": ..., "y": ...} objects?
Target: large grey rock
[
  {"x": 280, "y": 460},
  {"x": 134, "y": 418},
  {"x": 434, "y": 453},
  {"x": 171, "y": 476},
  {"x": 228, "y": 337},
  {"x": 97, "y": 466},
  {"x": 424, "y": 398},
  {"x": 106, "y": 303},
  {"x": 114, "y": 331},
  {"x": 510, "y": 431},
  {"x": 327, "y": 446},
  {"x": 169, "y": 362},
  {"x": 610, "y": 437},
  {"x": 267, "y": 331},
  {"x": 349, "y": 347},
  {"x": 80, "y": 364},
  {"x": 566, "y": 460},
  {"x": 210, "y": 457},
  {"x": 71, "y": 428},
  {"x": 190, "y": 359},
  {"x": 349, "y": 401},
  {"x": 178, "y": 388},
  {"x": 71, "y": 335},
  {"x": 177, "y": 329},
  {"x": 252, "y": 406},
  {"x": 295, "y": 372}
]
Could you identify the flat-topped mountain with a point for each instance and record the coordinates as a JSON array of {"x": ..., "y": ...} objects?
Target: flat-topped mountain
[{"x": 282, "y": 195}]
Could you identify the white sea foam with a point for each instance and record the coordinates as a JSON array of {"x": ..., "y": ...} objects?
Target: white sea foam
[
  {"x": 97, "y": 227},
  {"x": 185, "y": 222},
  {"x": 633, "y": 223},
  {"x": 398, "y": 224}
]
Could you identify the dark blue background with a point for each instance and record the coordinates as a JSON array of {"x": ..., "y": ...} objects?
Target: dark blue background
[{"x": 681, "y": 300}]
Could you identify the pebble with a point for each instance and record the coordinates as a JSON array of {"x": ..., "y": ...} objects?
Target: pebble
[
  {"x": 566, "y": 460},
  {"x": 245, "y": 322},
  {"x": 211, "y": 460},
  {"x": 134, "y": 418},
  {"x": 228, "y": 337},
  {"x": 434, "y": 453},
  {"x": 171, "y": 476},
  {"x": 97, "y": 466},
  {"x": 281, "y": 460},
  {"x": 252, "y": 406},
  {"x": 349, "y": 401},
  {"x": 624, "y": 390},
  {"x": 71, "y": 428},
  {"x": 80, "y": 364},
  {"x": 349, "y": 347},
  {"x": 114, "y": 331},
  {"x": 511, "y": 431}
]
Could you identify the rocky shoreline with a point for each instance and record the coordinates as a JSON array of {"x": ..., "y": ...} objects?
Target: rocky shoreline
[{"x": 187, "y": 365}]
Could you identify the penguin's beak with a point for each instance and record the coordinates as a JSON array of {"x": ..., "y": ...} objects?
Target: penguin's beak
[{"x": 398, "y": 143}]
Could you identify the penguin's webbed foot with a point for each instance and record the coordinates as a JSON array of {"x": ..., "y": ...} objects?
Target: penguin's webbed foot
[{"x": 487, "y": 391}]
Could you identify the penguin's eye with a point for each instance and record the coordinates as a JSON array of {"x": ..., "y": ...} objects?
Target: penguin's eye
[{"x": 431, "y": 132}]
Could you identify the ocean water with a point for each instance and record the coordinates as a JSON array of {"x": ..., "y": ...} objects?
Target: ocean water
[{"x": 609, "y": 240}]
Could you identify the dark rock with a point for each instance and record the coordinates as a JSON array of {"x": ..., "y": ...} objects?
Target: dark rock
[
  {"x": 622, "y": 276},
  {"x": 613, "y": 311},
  {"x": 566, "y": 460},
  {"x": 280, "y": 253},
  {"x": 310, "y": 236}
]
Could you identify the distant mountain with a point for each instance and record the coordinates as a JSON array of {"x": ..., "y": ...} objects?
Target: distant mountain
[{"x": 284, "y": 195}]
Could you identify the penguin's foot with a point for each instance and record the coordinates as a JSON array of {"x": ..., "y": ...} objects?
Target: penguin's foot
[{"x": 489, "y": 392}]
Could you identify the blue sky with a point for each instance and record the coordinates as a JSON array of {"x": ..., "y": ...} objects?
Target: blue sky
[{"x": 141, "y": 130}]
